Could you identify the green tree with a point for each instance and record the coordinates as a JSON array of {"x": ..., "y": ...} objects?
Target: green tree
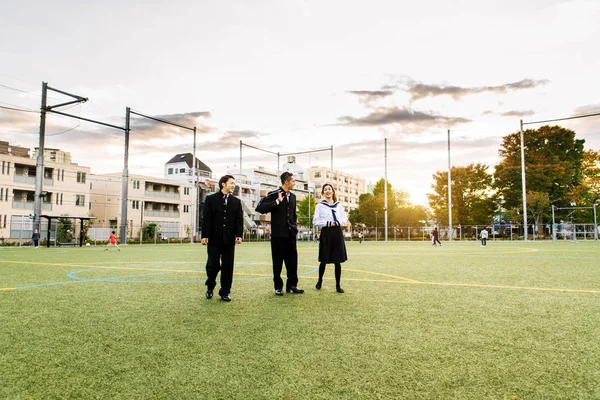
[
  {"x": 64, "y": 224},
  {"x": 303, "y": 210},
  {"x": 401, "y": 212},
  {"x": 588, "y": 191},
  {"x": 472, "y": 202},
  {"x": 553, "y": 165},
  {"x": 149, "y": 230}
]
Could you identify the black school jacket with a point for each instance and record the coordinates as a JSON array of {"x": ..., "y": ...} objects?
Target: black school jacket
[
  {"x": 221, "y": 225},
  {"x": 283, "y": 215}
]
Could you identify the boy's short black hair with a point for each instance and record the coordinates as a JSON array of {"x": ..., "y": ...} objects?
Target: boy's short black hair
[
  {"x": 286, "y": 176},
  {"x": 224, "y": 179},
  {"x": 113, "y": 232}
]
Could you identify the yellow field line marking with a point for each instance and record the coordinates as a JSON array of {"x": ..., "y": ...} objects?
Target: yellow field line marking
[
  {"x": 76, "y": 264},
  {"x": 386, "y": 275},
  {"x": 397, "y": 279}
]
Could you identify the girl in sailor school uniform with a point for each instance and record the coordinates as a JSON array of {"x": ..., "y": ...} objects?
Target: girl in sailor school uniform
[{"x": 330, "y": 217}]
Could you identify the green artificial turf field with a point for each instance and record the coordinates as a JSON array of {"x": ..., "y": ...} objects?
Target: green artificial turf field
[{"x": 509, "y": 321}]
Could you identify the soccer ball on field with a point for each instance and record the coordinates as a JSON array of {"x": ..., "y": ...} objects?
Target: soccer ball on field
[{"x": 87, "y": 245}]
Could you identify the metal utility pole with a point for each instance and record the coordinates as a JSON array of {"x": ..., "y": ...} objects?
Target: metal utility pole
[
  {"x": 194, "y": 188},
  {"x": 449, "y": 192},
  {"x": 39, "y": 178},
  {"x": 524, "y": 186},
  {"x": 595, "y": 224},
  {"x": 331, "y": 166},
  {"x": 385, "y": 194},
  {"x": 39, "y": 164},
  {"x": 125, "y": 180}
]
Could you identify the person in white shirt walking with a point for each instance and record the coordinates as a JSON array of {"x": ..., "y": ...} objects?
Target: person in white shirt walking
[{"x": 483, "y": 235}]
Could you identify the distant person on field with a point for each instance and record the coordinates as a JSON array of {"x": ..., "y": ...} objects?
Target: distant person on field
[
  {"x": 69, "y": 236},
  {"x": 330, "y": 217},
  {"x": 435, "y": 237},
  {"x": 36, "y": 239},
  {"x": 360, "y": 237},
  {"x": 112, "y": 240},
  {"x": 222, "y": 229},
  {"x": 483, "y": 235}
]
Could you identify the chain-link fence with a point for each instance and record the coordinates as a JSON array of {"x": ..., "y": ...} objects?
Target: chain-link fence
[{"x": 65, "y": 231}]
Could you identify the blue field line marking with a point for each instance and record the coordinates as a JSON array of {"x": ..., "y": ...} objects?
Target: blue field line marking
[{"x": 126, "y": 278}]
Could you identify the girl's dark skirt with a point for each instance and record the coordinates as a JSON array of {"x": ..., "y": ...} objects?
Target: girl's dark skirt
[{"x": 332, "y": 248}]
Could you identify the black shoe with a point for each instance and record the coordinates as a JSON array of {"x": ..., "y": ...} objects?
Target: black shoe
[
  {"x": 225, "y": 298},
  {"x": 278, "y": 292},
  {"x": 339, "y": 289},
  {"x": 209, "y": 294},
  {"x": 318, "y": 285},
  {"x": 294, "y": 289}
]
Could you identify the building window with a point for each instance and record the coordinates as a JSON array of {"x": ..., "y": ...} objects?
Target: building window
[
  {"x": 135, "y": 204},
  {"x": 1, "y": 193},
  {"x": 170, "y": 171},
  {"x": 79, "y": 200},
  {"x": 136, "y": 184},
  {"x": 3, "y": 167},
  {"x": 317, "y": 174},
  {"x": 186, "y": 190},
  {"x": 182, "y": 170},
  {"x": 80, "y": 177},
  {"x": 186, "y": 208},
  {"x": 61, "y": 199}
]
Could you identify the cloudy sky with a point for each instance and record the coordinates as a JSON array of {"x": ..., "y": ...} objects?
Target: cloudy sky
[{"x": 296, "y": 75}]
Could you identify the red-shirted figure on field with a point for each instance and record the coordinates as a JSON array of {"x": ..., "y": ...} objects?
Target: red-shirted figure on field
[{"x": 112, "y": 240}]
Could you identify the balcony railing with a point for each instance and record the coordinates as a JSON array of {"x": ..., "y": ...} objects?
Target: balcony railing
[
  {"x": 31, "y": 180},
  {"x": 164, "y": 195},
  {"x": 169, "y": 214},
  {"x": 28, "y": 205}
]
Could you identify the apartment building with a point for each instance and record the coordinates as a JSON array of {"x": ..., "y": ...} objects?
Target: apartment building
[
  {"x": 165, "y": 202},
  {"x": 179, "y": 168},
  {"x": 254, "y": 183},
  {"x": 347, "y": 187},
  {"x": 65, "y": 191}
]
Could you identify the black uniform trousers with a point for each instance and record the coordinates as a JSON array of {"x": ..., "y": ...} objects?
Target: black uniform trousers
[
  {"x": 220, "y": 259},
  {"x": 284, "y": 250}
]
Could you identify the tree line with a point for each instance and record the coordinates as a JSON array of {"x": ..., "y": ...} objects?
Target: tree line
[{"x": 559, "y": 172}]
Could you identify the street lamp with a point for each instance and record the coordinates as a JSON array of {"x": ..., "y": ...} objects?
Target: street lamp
[{"x": 376, "y": 212}]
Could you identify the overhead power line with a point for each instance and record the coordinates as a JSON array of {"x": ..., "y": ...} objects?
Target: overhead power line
[
  {"x": 561, "y": 119},
  {"x": 19, "y": 109}
]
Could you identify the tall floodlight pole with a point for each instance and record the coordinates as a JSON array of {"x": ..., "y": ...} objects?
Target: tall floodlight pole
[
  {"x": 39, "y": 165},
  {"x": 376, "y": 227},
  {"x": 524, "y": 187},
  {"x": 554, "y": 225},
  {"x": 449, "y": 192},
  {"x": 385, "y": 194},
  {"x": 331, "y": 166},
  {"x": 309, "y": 200},
  {"x": 125, "y": 180},
  {"x": 240, "y": 157},
  {"x": 194, "y": 188},
  {"x": 595, "y": 224}
]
